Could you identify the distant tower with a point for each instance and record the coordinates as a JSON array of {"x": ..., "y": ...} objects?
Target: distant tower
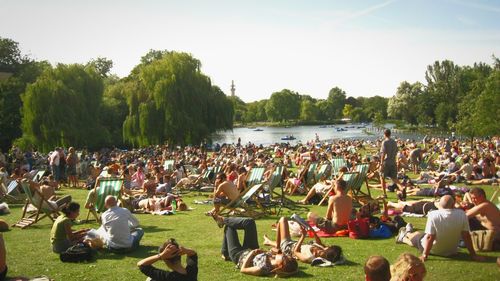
[{"x": 233, "y": 89}]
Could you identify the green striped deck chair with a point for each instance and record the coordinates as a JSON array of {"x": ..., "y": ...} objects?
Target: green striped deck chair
[
  {"x": 348, "y": 177},
  {"x": 43, "y": 207},
  {"x": 103, "y": 188},
  {"x": 240, "y": 207},
  {"x": 168, "y": 165},
  {"x": 276, "y": 178},
  {"x": 337, "y": 163},
  {"x": 255, "y": 176},
  {"x": 11, "y": 193},
  {"x": 311, "y": 175},
  {"x": 324, "y": 171},
  {"x": 362, "y": 171}
]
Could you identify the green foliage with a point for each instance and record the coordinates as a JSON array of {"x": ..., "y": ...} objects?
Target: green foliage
[
  {"x": 283, "y": 106},
  {"x": 346, "y": 112},
  {"x": 61, "y": 108},
  {"x": 336, "y": 100},
  {"x": 172, "y": 101},
  {"x": 403, "y": 104},
  {"x": 308, "y": 110},
  {"x": 23, "y": 71}
]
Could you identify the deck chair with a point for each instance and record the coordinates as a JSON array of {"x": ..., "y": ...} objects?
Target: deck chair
[
  {"x": 255, "y": 176},
  {"x": 240, "y": 204},
  {"x": 44, "y": 208},
  {"x": 324, "y": 171},
  {"x": 11, "y": 193},
  {"x": 39, "y": 175},
  {"x": 357, "y": 184},
  {"x": 169, "y": 165},
  {"x": 103, "y": 188},
  {"x": 337, "y": 163}
]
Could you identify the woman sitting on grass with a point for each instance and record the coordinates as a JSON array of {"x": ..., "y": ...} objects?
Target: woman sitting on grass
[
  {"x": 248, "y": 257},
  {"x": 170, "y": 253},
  {"x": 62, "y": 236},
  {"x": 304, "y": 253}
]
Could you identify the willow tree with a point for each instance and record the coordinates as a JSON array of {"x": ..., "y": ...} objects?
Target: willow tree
[
  {"x": 61, "y": 108},
  {"x": 173, "y": 101}
]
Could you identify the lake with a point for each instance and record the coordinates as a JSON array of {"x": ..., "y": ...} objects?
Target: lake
[{"x": 270, "y": 135}]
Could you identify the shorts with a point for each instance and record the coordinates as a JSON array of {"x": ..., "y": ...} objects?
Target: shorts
[
  {"x": 222, "y": 200},
  {"x": 390, "y": 171},
  {"x": 72, "y": 170},
  {"x": 421, "y": 208},
  {"x": 286, "y": 246},
  {"x": 417, "y": 241},
  {"x": 328, "y": 226}
]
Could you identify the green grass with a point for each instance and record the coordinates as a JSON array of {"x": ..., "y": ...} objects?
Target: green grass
[{"x": 29, "y": 251}]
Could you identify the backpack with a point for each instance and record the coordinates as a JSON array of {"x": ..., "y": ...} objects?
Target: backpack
[
  {"x": 359, "y": 228},
  {"x": 77, "y": 253}
]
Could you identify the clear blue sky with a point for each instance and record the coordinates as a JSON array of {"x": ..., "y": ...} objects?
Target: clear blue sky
[{"x": 364, "y": 47}]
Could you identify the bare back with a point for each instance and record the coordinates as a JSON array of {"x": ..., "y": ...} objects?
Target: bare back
[{"x": 340, "y": 207}]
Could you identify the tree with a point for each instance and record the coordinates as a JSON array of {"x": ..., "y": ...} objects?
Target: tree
[
  {"x": 347, "y": 111},
  {"x": 444, "y": 89},
  {"x": 336, "y": 99},
  {"x": 308, "y": 110},
  {"x": 173, "y": 101},
  {"x": 102, "y": 66},
  {"x": 61, "y": 108},
  {"x": 22, "y": 71},
  {"x": 403, "y": 104},
  {"x": 283, "y": 106}
]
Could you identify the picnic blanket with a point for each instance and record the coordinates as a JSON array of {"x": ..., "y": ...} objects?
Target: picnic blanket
[{"x": 323, "y": 234}]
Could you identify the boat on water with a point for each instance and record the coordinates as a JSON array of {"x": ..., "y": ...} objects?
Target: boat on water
[
  {"x": 324, "y": 126},
  {"x": 258, "y": 130},
  {"x": 341, "y": 129},
  {"x": 290, "y": 137}
]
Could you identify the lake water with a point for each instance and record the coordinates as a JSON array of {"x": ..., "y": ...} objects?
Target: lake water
[{"x": 270, "y": 135}]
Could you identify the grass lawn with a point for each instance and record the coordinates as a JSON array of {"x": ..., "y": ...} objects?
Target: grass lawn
[{"x": 29, "y": 251}]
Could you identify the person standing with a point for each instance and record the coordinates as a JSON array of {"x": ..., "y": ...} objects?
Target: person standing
[
  {"x": 388, "y": 166},
  {"x": 54, "y": 161}
]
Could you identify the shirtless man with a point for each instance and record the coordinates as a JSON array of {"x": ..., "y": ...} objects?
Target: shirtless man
[
  {"x": 484, "y": 214},
  {"x": 225, "y": 192},
  {"x": 338, "y": 212}
]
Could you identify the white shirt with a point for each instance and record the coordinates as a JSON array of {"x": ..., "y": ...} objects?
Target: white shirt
[
  {"x": 117, "y": 223},
  {"x": 54, "y": 158},
  {"x": 447, "y": 225}
]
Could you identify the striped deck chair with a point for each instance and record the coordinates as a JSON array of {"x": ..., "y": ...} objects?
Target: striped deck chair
[
  {"x": 103, "y": 188},
  {"x": 168, "y": 165},
  {"x": 43, "y": 207},
  {"x": 362, "y": 170},
  {"x": 39, "y": 175},
  {"x": 324, "y": 171},
  {"x": 337, "y": 163},
  {"x": 255, "y": 176},
  {"x": 11, "y": 193},
  {"x": 239, "y": 206},
  {"x": 310, "y": 179}
]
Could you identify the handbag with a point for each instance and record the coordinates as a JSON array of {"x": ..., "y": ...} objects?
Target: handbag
[
  {"x": 482, "y": 240},
  {"x": 359, "y": 228},
  {"x": 77, "y": 253}
]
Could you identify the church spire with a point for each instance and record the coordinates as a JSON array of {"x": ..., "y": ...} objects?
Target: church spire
[{"x": 233, "y": 89}]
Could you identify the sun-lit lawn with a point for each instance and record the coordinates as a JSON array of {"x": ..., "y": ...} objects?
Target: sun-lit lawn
[{"x": 29, "y": 251}]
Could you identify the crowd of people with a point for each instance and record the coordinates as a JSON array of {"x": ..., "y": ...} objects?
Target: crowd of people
[{"x": 150, "y": 185}]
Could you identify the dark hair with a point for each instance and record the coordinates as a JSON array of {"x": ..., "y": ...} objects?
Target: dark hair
[
  {"x": 70, "y": 208},
  {"x": 377, "y": 268},
  {"x": 387, "y": 132},
  {"x": 170, "y": 241},
  {"x": 478, "y": 191},
  {"x": 342, "y": 184},
  {"x": 221, "y": 176},
  {"x": 333, "y": 253},
  {"x": 289, "y": 266}
]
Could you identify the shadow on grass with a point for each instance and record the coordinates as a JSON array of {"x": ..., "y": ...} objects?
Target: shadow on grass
[
  {"x": 465, "y": 257},
  {"x": 141, "y": 252},
  {"x": 153, "y": 228}
]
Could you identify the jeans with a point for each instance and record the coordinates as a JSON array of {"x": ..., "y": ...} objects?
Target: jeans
[
  {"x": 231, "y": 246},
  {"x": 136, "y": 237}
]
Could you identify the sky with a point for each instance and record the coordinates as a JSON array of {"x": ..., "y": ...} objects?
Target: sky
[{"x": 364, "y": 47}]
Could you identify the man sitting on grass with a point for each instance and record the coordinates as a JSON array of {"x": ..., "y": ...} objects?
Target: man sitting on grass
[
  {"x": 442, "y": 234},
  {"x": 338, "y": 212}
]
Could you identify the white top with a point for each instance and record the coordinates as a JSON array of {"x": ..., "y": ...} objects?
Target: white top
[
  {"x": 447, "y": 225},
  {"x": 117, "y": 223},
  {"x": 54, "y": 158}
]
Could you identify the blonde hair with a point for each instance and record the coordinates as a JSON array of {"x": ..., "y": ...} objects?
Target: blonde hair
[{"x": 407, "y": 267}]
